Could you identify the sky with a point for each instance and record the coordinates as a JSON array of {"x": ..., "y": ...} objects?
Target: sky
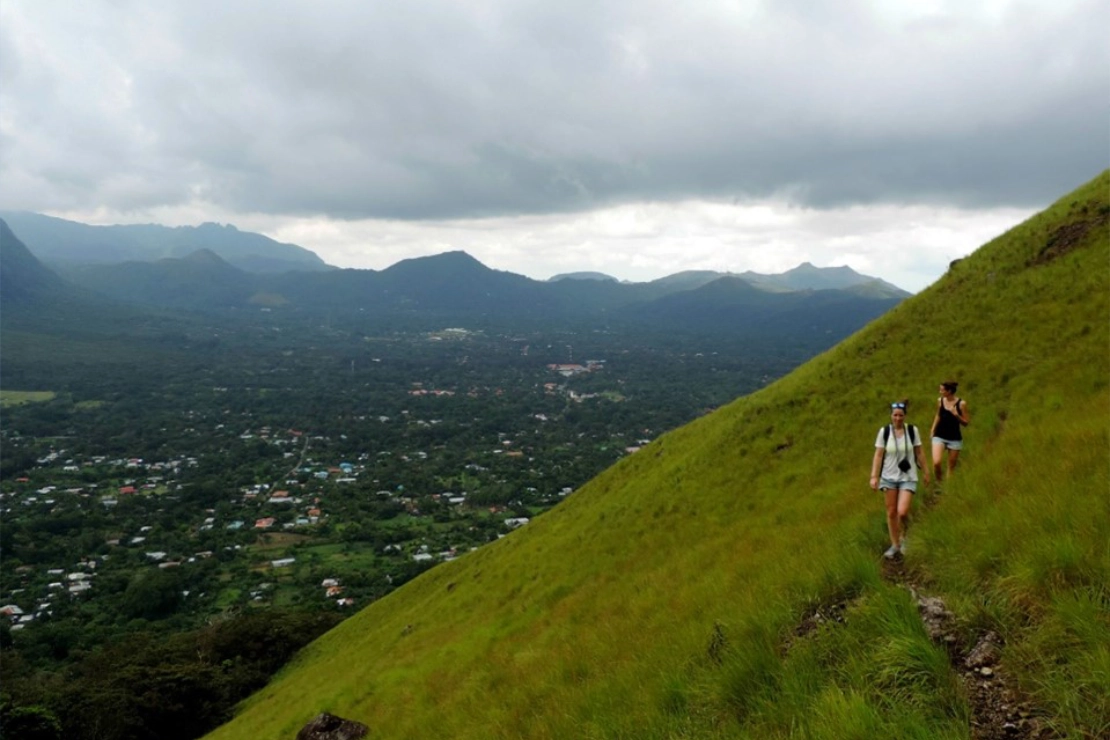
[{"x": 636, "y": 138}]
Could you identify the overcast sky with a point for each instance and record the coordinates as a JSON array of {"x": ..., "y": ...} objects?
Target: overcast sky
[{"x": 632, "y": 137}]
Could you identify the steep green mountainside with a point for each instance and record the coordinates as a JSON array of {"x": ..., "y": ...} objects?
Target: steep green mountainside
[{"x": 673, "y": 595}]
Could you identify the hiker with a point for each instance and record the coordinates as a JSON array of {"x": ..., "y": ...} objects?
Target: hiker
[
  {"x": 898, "y": 457},
  {"x": 951, "y": 415}
]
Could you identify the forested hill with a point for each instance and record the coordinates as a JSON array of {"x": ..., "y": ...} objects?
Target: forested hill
[{"x": 725, "y": 581}]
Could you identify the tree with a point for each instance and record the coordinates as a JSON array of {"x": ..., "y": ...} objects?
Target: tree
[
  {"x": 154, "y": 594},
  {"x": 29, "y": 723}
]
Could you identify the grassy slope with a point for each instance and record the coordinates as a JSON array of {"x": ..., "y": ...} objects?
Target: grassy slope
[{"x": 656, "y": 601}]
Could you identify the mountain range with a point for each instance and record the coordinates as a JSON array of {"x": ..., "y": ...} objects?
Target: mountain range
[
  {"x": 61, "y": 243},
  {"x": 445, "y": 287}
]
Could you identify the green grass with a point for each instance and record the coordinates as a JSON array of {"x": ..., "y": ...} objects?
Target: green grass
[
  {"x": 18, "y": 398},
  {"x": 228, "y": 597},
  {"x": 661, "y": 599}
]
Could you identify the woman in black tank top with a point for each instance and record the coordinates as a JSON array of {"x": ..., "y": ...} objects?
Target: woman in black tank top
[{"x": 951, "y": 415}]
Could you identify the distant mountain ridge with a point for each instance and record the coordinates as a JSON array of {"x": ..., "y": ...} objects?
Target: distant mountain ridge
[
  {"x": 805, "y": 276},
  {"x": 157, "y": 267},
  {"x": 582, "y": 276},
  {"x": 70, "y": 243},
  {"x": 454, "y": 286}
]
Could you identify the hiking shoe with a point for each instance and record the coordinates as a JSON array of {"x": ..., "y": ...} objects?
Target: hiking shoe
[{"x": 891, "y": 553}]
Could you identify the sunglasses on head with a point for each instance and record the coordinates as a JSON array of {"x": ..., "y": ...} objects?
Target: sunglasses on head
[{"x": 898, "y": 405}]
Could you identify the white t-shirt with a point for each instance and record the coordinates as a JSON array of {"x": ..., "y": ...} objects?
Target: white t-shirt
[{"x": 898, "y": 448}]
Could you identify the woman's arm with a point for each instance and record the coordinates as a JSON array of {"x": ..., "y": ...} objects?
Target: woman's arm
[
  {"x": 876, "y": 467},
  {"x": 963, "y": 416},
  {"x": 936, "y": 419},
  {"x": 920, "y": 455}
]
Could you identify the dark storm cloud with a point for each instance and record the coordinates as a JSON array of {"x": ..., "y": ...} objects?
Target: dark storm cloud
[{"x": 435, "y": 109}]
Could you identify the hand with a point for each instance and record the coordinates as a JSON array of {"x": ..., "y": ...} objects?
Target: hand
[{"x": 875, "y": 482}]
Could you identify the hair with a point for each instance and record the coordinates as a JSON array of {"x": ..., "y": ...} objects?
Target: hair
[{"x": 950, "y": 385}]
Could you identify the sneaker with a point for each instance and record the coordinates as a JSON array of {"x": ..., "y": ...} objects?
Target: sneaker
[
  {"x": 902, "y": 547},
  {"x": 891, "y": 553}
]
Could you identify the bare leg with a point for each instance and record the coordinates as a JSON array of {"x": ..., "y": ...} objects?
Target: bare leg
[
  {"x": 893, "y": 525},
  {"x": 938, "y": 457},
  {"x": 905, "y": 498},
  {"x": 953, "y": 456}
]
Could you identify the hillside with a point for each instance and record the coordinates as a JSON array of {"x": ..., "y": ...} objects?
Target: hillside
[
  {"x": 677, "y": 594},
  {"x": 731, "y": 304},
  {"x": 23, "y": 279},
  {"x": 202, "y": 278},
  {"x": 56, "y": 240},
  {"x": 34, "y": 298}
]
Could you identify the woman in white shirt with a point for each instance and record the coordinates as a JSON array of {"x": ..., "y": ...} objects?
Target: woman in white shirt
[{"x": 898, "y": 457}]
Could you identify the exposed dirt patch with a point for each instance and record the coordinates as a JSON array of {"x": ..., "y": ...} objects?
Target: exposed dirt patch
[
  {"x": 718, "y": 644},
  {"x": 998, "y": 710},
  {"x": 1065, "y": 239},
  {"x": 819, "y": 615},
  {"x": 831, "y": 613}
]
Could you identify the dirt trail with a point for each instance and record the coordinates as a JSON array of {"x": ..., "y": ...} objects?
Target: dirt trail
[{"x": 998, "y": 710}]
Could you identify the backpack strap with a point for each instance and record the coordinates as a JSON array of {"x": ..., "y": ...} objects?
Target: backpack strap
[{"x": 886, "y": 438}]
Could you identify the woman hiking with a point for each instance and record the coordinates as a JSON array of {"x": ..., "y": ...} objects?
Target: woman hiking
[
  {"x": 898, "y": 457},
  {"x": 945, "y": 433}
]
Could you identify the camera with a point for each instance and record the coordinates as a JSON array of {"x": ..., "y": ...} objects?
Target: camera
[{"x": 904, "y": 465}]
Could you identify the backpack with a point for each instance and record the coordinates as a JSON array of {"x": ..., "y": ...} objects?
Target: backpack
[{"x": 911, "y": 430}]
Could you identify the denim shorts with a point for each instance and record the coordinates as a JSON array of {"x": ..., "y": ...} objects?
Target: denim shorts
[
  {"x": 898, "y": 485},
  {"x": 952, "y": 444}
]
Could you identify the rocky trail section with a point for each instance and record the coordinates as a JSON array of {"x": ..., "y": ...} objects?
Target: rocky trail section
[{"x": 998, "y": 710}]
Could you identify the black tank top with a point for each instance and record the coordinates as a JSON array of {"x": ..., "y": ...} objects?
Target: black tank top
[{"x": 948, "y": 427}]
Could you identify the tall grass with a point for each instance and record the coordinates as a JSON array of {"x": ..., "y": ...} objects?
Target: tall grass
[{"x": 662, "y": 600}]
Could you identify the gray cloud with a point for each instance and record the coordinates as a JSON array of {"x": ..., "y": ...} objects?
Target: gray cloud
[{"x": 445, "y": 110}]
